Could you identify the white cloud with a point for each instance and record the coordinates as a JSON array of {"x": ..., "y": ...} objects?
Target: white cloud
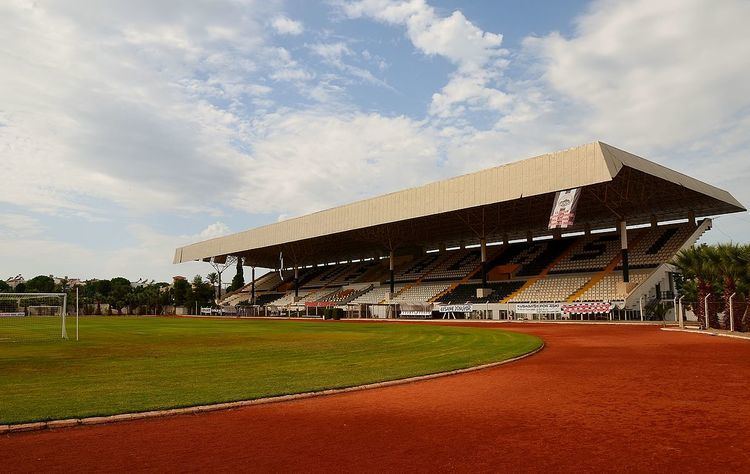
[
  {"x": 334, "y": 54},
  {"x": 307, "y": 161},
  {"x": 286, "y": 26},
  {"x": 476, "y": 53},
  {"x": 24, "y": 249},
  {"x": 129, "y": 107},
  {"x": 217, "y": 229},
  {"x": 19, "y": 226},
  {"x": 653, "y": 73},
  {"x": 111, "y": 103}
]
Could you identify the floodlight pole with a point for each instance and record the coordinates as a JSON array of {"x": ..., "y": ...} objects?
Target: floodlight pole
[
  {"x": 705, "y": 310},
  {"x": 731, "y": 312}
]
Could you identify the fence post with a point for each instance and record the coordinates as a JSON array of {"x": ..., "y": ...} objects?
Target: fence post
[
  {"x": 682, "y": 319},
  {"x": 731, "y": 312}
]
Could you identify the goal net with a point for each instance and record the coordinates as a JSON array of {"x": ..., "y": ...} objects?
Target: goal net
[{"x": 34, "y": 317}]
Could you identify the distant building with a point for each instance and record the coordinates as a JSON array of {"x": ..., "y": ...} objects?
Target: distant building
[{"x": 15, "y": 281}]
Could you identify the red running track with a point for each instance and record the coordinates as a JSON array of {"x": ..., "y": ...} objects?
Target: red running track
[{"x": 596, "y": 398}]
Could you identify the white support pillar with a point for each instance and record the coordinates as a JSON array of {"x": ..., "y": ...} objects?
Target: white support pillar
[
  {"x": 391, "y": 268},
  {"x": 640, "y": 305},
  {"x": 624, "y": 249},
  {"x": 705, "y": 311},
  {"x": 296, "y": 282},
  {"x": 483, "y": 254}
]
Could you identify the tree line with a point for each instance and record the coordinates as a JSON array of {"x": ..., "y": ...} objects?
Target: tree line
[
  {"x": 119, "y": 295},
  {"x": 716, "y": 272}
]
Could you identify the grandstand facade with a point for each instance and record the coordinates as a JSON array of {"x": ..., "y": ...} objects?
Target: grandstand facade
[{"x": 483, "y": 241}]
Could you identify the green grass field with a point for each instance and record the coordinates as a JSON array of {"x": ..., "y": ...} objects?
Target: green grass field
[{"x": 127, "y": 364}]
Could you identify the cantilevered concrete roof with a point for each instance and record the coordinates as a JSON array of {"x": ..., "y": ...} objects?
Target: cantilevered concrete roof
[{"x": 508, "y": 201}]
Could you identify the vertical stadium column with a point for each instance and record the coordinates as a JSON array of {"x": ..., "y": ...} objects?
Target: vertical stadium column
[
  {"x": 390, "y": 268},
  {"x": 691, "y": 217},
  {"x": 624, "y": 247},
  {"x": 483, "y": 251},
  {"x": 296, "y": 282},
  {"x": 252, "y": 286}
]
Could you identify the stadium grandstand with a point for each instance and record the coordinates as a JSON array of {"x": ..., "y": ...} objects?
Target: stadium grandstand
[{"x": 583, "y": 233}]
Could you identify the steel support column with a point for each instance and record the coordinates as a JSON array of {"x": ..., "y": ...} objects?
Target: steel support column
[
  {"x": 392, "y": 274},
  {"x": 296, "y": 283},
  {"x": 252, "y": 286},
  {"x": 483, "y": 251},
  {"x": 624, "y": 249}
]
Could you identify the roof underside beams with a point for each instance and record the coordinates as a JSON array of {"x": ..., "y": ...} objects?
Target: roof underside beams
[{"x": 632, "y": 195}]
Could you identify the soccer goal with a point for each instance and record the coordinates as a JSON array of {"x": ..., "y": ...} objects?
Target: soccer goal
[{"x": 34, "y": 317}]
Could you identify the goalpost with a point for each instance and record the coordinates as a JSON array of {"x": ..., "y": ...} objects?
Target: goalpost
[{"x": 35, "y": 316}]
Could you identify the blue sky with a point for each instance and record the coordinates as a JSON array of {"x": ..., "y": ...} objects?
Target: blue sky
[{"x": 129, "y": 128}]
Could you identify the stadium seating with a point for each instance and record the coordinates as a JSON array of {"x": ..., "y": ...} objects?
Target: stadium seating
[
  {"x": 416, "y": 269},
  {"x": 551, "y": 289},
  {"x": 345, "y": 295},
  {"x": 376, "y": 294},
  {"x": 658, "y": 245},
  {"x": 530, "y": 258},
  {"x": 574, "y": 262},
  {"x": 264, "y": 299},
  {"x": 288, "y": 298},
  {"x": 590, "y": 254},
  {"x": 607, "y": 288},
  {"x": 467, "y": 293},
  {"x": 455, "y": 265},
  {"x": 421, "y": 293},
  {"x": 552, "y": 250}
]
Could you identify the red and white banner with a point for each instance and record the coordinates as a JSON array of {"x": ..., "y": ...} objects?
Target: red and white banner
[
  {"x": 587, "y": 308},
  {"x": 564, "y": 209},
  {"x": 319, "y": 304}
]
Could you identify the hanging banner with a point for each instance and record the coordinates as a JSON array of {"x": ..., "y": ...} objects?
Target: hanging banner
[
  {"x": 588, "y": 308},
  {"x": 564, "y": 209},
  {"x": 538, "y": 308}
]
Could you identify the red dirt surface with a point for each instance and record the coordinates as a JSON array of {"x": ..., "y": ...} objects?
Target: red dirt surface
[{"x": 603, "y": 397}]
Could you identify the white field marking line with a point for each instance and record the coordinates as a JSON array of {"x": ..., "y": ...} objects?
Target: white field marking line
[
  {"x": 709, "y": 333},
  {"x": 99, "y": 420}
]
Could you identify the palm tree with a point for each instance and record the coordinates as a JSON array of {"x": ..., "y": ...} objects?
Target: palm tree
[
  {"x": 726, "y": 262},
  {"x": 694, "y": 264},
  {"x": 742, "y": 314},
  {"x": 213, "y": 278}
]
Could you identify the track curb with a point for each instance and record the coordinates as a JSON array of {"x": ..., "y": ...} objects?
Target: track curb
[
  {"x": 103, "y": 420},
  {"x": 707, "y": 333}
]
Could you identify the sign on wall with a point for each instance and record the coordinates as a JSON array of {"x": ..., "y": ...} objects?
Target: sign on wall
[
  {"x": 455, "y": 308},
  {"x": 538, "y": 308}
]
